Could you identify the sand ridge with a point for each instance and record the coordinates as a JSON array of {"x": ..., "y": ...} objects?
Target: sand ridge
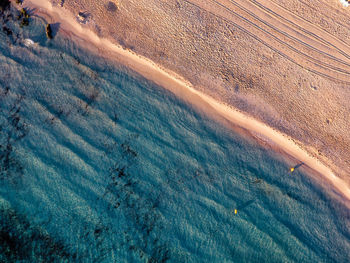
[{"x": 183, "y": 89}]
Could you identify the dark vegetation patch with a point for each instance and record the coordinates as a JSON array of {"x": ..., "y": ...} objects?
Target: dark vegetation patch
[
  {"x": 124, "y": 197},
  {"x": 7, "y": 30},
  {"x": 23, "y": 17},
  {"x": 124, "y": 194},
  {"x": 57, "y": 112},
  {"x": 22, "y": 241},
  {"x": 5, "y": 16},
  {"x": 88, "y": 97},
  {"x": 13, "y": 129},
  {"x": 94, "y": 237},
  {"x": 4, "y": 5},
  {"x": 142, "y": 237},
  {"x": 127, "y": 150},
  {"x": 86, "y": 92},
  {"x": 85, "y": 99},
  {"x": 8, "y": 14},
  {"x": 112, "y": 7}
]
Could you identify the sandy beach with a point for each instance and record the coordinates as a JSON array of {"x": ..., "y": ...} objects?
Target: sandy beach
[
  {"x": 285, "y": 63},
  {"x": 171, "y": 81}
]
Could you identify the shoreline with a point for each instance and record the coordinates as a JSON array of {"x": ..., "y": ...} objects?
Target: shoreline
[{"x": 183, "y": 89}]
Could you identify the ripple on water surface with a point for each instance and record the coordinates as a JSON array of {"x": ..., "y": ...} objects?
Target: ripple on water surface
[{"x": 99, "y": 165}]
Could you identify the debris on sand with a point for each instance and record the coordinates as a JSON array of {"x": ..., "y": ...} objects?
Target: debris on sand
[{"x": 83, "y": 17}]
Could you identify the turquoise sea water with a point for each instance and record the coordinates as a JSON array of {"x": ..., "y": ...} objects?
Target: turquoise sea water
[{"x": 99, "y": 165}]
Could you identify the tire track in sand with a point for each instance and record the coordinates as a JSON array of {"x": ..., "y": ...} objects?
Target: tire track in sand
[
  {"x": 301, "y": 24},
  {"x": 277, "y": 41},
  {"x": 282, "y": 39},
  {"x": 292, "y": 35}
]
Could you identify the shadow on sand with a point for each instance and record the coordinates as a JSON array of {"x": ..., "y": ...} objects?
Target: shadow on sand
[{"x": 55, "y": 27}]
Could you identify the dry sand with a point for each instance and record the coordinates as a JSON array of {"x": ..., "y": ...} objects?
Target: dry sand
[{"x": 205, "y": 102}]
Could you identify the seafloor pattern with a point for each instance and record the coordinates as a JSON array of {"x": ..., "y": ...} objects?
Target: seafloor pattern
[{"x": 99, "y": 165}]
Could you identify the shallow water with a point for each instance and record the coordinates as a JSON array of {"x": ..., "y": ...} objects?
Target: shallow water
[{"x": 100, "y": 165}]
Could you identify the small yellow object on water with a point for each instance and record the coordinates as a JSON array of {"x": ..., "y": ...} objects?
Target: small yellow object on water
[
  {"x": 292, "y": 169},
  {"x": 235, "y": 211}
]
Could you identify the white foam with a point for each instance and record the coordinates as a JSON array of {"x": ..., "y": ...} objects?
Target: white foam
[{"x": 345, "y": 3}]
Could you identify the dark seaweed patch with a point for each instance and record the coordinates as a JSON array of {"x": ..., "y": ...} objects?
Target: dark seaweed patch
[
  {"x": 7, "y": 30},
  {"x": 13, "y": 129},
  {"x": 4, "y": 5},
  {"x": 22, "y": 241},
  {"x": 127, "y": 150},
  {"x": 4, "y": 14},
  {"x": 90, "y": 96},
  {"x": 84, "y": 104},
  {"x": 87, "y": 94},
  {"x": 124, "y": 194},
  {"x": 7, "y": 15},
  {"x": 23, "y": 17},
  {"x": 57, "y": 114},
  {"x": 96, "y": 237}
]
